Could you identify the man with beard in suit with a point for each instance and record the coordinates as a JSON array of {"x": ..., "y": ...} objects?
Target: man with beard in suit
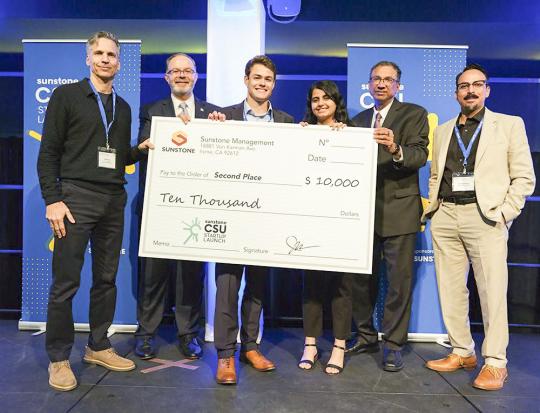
[
  {"x": 181, "y": 75},
  {"x": 401, "y": 130},
  {"x": 481, "y": 174}
]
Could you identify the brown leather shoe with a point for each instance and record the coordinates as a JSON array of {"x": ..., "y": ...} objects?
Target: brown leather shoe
[
  {"x": 257, "y": 360},
  {"x": 452, "y": 362},
  {"x": 491, "y": 378},
  {"x": 226, "y": 372}
]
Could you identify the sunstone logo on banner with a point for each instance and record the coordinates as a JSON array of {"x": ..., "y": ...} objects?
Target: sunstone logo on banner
[{"x": 43, "y": 91}]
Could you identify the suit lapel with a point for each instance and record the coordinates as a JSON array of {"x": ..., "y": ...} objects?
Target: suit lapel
[
  {"x": 392, "y": 115},
  {"x": 168, "y": 108},
  {"x": 278, "y": 117},
  {"x": 488, "y": 129},
  {"x": 238, "y": 112},
  {"x": 200, "y": 109},
  {"x": 363, "y": 119},
  {"x": 366, "y": 118}
]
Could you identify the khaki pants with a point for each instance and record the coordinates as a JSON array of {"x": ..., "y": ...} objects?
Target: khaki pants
[{"x": 461, "y": 235}]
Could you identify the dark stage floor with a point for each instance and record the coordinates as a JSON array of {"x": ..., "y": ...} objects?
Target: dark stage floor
[{"x": 362, "y": 387}]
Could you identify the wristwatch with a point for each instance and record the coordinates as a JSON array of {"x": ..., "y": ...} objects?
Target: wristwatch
[{"x": 395, "y": 151}]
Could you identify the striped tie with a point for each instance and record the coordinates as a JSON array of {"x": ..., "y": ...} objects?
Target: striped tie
[{"x": 378, "y": 118}]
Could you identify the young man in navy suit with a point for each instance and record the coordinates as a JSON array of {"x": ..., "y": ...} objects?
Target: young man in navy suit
[{"x": 260, "y": 80}]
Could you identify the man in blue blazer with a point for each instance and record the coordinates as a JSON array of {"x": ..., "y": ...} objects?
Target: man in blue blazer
[{"x": 181, "y": 75}]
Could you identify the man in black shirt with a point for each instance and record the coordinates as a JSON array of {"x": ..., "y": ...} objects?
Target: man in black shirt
[
  {"x": 84, "y": 150},
  {"x": 481, "y": 174}
]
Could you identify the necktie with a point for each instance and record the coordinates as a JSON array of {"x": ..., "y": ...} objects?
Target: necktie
[
  {"x": 184, "y": 114},
  {"x": 378, "y": 118}
]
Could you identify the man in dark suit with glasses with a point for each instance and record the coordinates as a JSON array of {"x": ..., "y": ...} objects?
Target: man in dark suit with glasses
[{"x": 181, "y": 76}]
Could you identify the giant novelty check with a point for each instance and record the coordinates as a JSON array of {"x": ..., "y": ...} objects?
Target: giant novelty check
[{"x": 278, "y": 195}]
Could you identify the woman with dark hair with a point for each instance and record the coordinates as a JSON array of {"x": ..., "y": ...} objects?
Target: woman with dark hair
[{"x": 325, "y": 106}]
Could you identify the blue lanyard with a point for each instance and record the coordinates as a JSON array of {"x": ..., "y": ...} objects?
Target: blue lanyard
[
  {"x": 102, "y": 111},
  {"x": 467, "y": 151}
]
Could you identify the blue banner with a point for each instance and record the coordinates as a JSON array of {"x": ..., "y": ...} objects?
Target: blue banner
[
  {"x": 428, "y": 79},
  {"x": 47, "y": 65}
]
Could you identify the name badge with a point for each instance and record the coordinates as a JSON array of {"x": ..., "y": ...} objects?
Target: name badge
[
  {"x": 106, "y": 157},
  {"x": 462, "y": 181}
]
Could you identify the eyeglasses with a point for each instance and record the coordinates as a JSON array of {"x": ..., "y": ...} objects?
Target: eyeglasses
[
  {"x": 387, "y": 81},
  {"x": 175, "y": 72},
  {"x": 479, "y": 84}
]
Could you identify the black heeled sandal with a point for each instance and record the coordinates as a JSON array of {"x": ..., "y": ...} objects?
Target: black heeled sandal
[
  {"x": 333, "y": 366},
  {"x": 309, "y": 362}
]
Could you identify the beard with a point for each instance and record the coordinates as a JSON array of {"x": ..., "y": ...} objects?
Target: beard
[
  {"x": 181, "y": 91},
  {"x": 466, "y": 109}
]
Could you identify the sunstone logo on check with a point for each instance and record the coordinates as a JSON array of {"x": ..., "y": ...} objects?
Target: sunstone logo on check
[
  {"x": 213, "y": 231},
  {"x": 178, "y": 138}
]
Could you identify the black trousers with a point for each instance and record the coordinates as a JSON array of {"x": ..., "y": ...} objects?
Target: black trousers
[
  {"x": 317, "y": 286},
  {"x": 398, "y": 254},
  {"x": 99, "y": 218},
  {"x": 188, "y": 295},
  {"x": 228, "y": 279}
]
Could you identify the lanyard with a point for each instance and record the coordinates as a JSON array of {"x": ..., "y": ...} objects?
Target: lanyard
[
  {"x": 102, "y": 112},
  {"x": 467, "y": 151}
]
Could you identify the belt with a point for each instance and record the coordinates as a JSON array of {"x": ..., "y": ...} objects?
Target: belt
[{"x": 459, "y": 200}]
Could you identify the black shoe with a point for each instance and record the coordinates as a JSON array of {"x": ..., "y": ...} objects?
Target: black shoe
[
  {"x": 392, "y": 360},
  {"x": 310, "y": 363},
  {"x": 189, "y": 346},
  {"x": 144, "y": 348},
  {"x": 334, "y": 366},
  {"x": 359, "y": 347}
]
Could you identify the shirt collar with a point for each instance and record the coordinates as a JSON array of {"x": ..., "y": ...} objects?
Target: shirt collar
[
  {"x": 476, "y": 118},
  {"x": 249, "y": 111},
  {"x": 85, "y": 83},
  {"x": 190, "y": 103},
  {"x": 384, "y": 111}
]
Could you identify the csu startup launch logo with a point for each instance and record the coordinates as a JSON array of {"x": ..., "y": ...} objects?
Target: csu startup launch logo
[{"x": 213, "y": 231}]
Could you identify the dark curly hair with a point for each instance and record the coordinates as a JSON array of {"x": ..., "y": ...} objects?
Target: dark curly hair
[{"x": 331, "y": 89}]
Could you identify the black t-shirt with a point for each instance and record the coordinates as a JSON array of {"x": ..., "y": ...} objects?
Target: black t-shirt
[
  {"x": 454, "y": 158},
  {"x": 106, "y": 99}
]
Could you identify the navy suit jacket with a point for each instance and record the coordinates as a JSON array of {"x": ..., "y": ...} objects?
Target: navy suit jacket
[
  {"x": 236, "y": 112},
  {"x": 163, "y": 107},
  {"x": 398, "y": 206}
]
